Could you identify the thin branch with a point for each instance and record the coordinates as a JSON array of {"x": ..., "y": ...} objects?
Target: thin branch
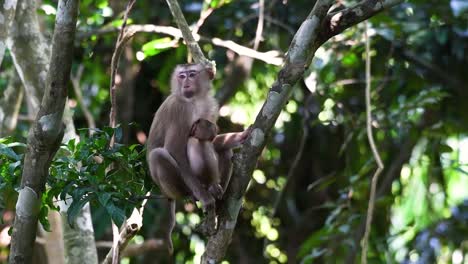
[
  {"x": 127, "y": 233},
  {"x": 269, "y": 19},
  {"x": 259, "y": 31},
  {"x": 136, "y": 249},
  {"x": 120, "y": 43},
  {"x": 118, "y": 242},
  {"x": 375, "y": 177},
  {"x": 192, "y": 44},
  {"x": 205, "y": 13},
  {"x": 271, "y": 57},
  {"x": 79, "y": 96}
]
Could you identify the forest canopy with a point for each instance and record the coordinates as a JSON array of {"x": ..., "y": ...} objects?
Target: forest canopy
[{"x": 313, "y": 82}]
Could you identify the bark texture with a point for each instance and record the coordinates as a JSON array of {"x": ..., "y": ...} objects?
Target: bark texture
[
  {"x": 10, "y": 106},
  {"x": 46, "y": 133},
  {"x": 7, "y": 13},
  {"x": 31, "y": 55}
]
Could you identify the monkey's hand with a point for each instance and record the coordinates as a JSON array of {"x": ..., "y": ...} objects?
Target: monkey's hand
[
  {"x": 216, "y": 190},
  {"x": 245, "y": 134},
  {"x": 203, "y": 130}
]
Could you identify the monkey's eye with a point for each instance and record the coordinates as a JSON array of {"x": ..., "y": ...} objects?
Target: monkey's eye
[
  {"x": 182, "y": 76},
  {"x": 192, "y": 75}
]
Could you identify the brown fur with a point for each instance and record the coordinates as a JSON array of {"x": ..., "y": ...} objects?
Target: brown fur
[{"x": 169, "y": 141}]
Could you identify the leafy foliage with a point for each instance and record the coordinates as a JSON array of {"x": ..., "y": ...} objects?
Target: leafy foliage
[{"x": 91, "y": 171}]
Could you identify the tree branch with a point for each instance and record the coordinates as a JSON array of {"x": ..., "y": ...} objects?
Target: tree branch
[
  {"x": 271, "y": 57},
  {"x": 46, "y": 134},
  {"x": 136, "y": 249},
  {"x": 192, "y": 44},
  {"x": 375, "y": 152},
  {"x": 337, "y": 22},
  {"x": 300, "y": 54}
]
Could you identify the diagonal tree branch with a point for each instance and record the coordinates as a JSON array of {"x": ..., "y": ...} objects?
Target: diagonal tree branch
[
  {"x": 300, "y": 54},
  {"x": 192, "y": 44}
]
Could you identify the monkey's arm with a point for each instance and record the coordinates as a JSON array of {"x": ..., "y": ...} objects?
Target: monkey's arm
[{"x": 230, "y": 140}]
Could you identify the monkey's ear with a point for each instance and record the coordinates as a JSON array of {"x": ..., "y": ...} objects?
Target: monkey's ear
[{"x": 210, "y": 73}]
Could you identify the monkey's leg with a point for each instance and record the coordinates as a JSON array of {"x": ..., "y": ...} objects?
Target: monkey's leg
[
  {"x": 212, "y": 169},
  {"x": 165, "y": 173},
  {"x": 195, "y": 156}
]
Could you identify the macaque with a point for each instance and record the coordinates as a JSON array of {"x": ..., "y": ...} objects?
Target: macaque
[
  {"x": 202, "y": 156},
  {"x": 173, "y": 135}
]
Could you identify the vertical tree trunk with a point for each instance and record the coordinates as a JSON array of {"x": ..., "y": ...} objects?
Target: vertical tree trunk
[
  {"x": 45, "y": 135},
  {"x": 81, "y": 234},
  {"x": 30, "y": 53}
]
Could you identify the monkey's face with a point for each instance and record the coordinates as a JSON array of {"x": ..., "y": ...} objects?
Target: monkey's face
[
  {"x": 188, "y": 82},
  {"x": 192, "y": 80}
]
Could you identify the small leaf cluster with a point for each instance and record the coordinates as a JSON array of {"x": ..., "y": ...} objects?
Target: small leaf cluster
[
  {"x": 10, "y": 172},
  {"x": 91, "y": 170}
]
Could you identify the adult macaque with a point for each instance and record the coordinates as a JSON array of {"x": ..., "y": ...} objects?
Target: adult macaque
[{"x": 168, "y": 142}]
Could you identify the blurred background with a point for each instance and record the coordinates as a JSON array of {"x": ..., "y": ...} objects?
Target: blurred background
[{"x": 308, "y": 196}]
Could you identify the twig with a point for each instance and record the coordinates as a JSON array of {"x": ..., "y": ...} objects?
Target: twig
[
  {"x": 79, "y": 96},
  {"x": 259, "y": 31},
  {"x": 375, "y": 177},
  {"x": 130, "y": 230},
  {"x": 121, "y": 41},
  {"x": 203, "y": 16},
  {"x": 269, "y": 19},
  {"x": 135, "y": 249}
]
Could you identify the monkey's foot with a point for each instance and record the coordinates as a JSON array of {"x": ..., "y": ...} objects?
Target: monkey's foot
[
  {"x": 216, "y": 190},
  {"x": 208, "y": 226}
]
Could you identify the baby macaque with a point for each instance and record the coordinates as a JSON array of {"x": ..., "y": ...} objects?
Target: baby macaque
[{"x": 202, "y": 156}]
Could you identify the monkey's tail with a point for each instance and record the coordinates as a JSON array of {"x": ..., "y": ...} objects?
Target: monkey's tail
[{"x": 172, "y": 209}]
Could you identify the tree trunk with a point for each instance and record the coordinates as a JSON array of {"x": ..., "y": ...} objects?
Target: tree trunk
[
  {"x": 30, "y": 52},
  {"x": 45, "y": 135}
]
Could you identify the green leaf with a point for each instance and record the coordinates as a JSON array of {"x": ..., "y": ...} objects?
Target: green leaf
[
  {"x": 43, "y": 218},
  {"x": 157, "y": 46},
  {"x": 117, "y": 214},
  {"x": 445, "y": 148},
  {"x": 75, "y": 208},
  {"x": 313, "y": 241},
  {"x": 5, "y": 150},
  {"x": 349, "y": 60},
  {"x": 104, "y": 198}
]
